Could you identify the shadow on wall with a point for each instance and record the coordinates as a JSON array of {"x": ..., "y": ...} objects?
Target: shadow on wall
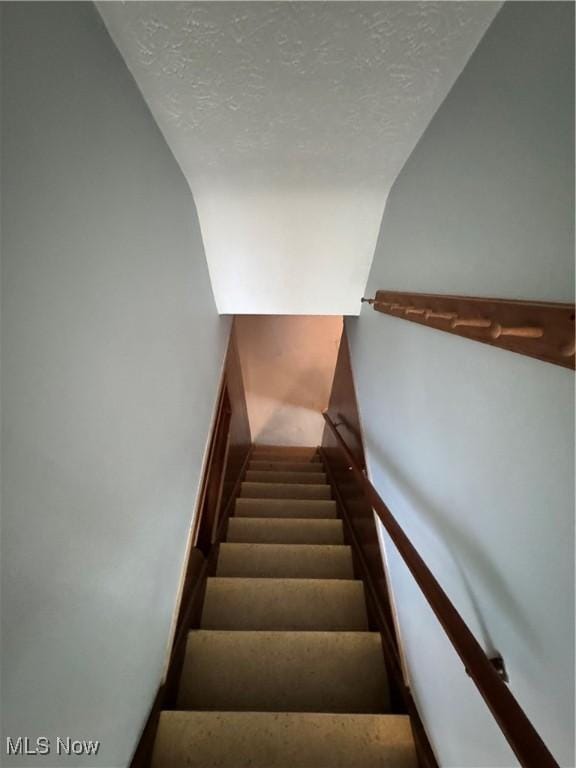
[
  {"x": 436, "y": 536},
  {"x": 288, "y": 365}
]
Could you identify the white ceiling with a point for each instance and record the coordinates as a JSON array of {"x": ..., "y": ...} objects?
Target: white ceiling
[{"x": 291, "y": 121}]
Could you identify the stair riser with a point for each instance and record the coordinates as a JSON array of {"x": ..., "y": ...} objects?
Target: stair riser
[
  {"x": 284, "y": 604},
  {"x": 280, "y": 457},
  {"x": 284, "y": 491},
  {"x": 263, "y": 672},
  {"x": 286, "y": 508},
  {"x": 272, "y": 531},
  {"x": 297, "y": 561},
  {"x": 269, "y": 476},
  {"x": 285, "y": 466},
  {"x": 283, "y": 740},
  {"x": 286, "y": 450}
]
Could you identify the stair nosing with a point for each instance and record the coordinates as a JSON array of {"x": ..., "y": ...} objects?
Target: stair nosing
[{"x": 292, "y": 519}]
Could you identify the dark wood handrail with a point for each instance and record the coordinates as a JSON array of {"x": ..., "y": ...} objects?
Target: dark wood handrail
[
  {"x": 426, "y": 757},
  {"x": 516, "y": 727}
]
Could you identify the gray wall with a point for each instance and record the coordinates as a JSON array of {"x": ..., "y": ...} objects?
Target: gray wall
[
  {"x": 111, "y": 357},
  {"x": 471, "y": 446}
]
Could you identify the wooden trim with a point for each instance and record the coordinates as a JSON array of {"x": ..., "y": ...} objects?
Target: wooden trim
[
  {"x": 143, "y": 752},
  {"x": 426, "y": 757},
  {"x": 190, "y": 611},
  {"x": 224, "y": 516},
  {"x": 213, "y": 479},
  {"x": 513, "y": 722},
  {"x": 539, "y": 329}
]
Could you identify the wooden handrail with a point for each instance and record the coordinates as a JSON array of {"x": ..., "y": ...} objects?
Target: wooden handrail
[
  {"x": 426, "y": 757},
  {"x": 516, "y": 727}
]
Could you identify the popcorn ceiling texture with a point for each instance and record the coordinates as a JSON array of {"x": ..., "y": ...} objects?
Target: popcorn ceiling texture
[{"x": 291, "y": 122}]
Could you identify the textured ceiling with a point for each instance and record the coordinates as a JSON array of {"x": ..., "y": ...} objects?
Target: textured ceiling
[{"x": 291, "y": 122}]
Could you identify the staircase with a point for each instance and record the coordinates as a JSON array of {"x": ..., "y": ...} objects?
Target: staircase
[{"x": 284, "y": 672}]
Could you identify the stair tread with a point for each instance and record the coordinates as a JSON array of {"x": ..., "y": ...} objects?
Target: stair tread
[
  {"x": 299, "y": 508},
  {"x": 253, "y": 530},
  {"x": 283, "y": 740},
  {"x": 284, "y": 671},
  {"x": 276, "y": 603},
  {"x": 273, "y": 476},
  {"x": 307, "y": 450},
  {"x": 279, "y": 457},
  {"x": 285, "y": 490},
  {"x": 285, "y": 453},
  {"x": 309, "y": 561},
  {"x": 281, "y": 465}
]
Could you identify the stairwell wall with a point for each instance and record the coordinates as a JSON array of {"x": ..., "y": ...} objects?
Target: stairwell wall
[
  {"x": 112, "y": 352},
  {"x": 472, "y": 447}
]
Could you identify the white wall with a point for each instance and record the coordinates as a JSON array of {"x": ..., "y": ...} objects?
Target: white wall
[
  {"x": 291, "y": 122},
  {"x": 111, "y": 356},
  {"x": 472, "y": 447}
]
